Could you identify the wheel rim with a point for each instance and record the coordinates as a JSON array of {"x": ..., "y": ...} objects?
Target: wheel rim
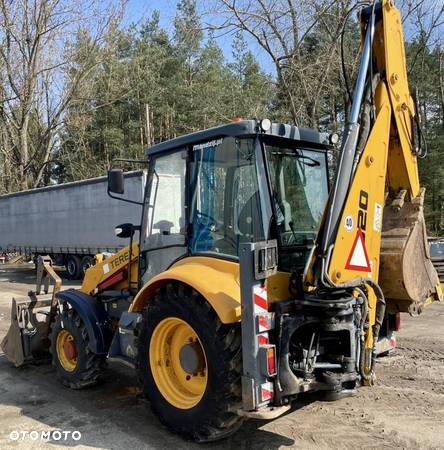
[
  {"x": 66, "y": 350},
  {"x": 178, "y": 363}
]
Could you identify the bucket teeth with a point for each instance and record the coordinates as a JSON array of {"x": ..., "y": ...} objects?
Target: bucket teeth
[{"x": 407, "y": 275}]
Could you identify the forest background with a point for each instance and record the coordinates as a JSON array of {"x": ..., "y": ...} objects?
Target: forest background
[{"x": 80, "y": 85}]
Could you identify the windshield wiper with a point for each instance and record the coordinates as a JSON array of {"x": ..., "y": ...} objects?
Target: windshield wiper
[{"x": 307, "y": 160}]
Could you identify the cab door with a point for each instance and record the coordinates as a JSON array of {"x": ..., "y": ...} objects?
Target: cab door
[{"x": 164, "y": 225}]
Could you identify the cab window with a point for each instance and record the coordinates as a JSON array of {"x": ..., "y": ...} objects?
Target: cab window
[{"x": 225, "y": 204}]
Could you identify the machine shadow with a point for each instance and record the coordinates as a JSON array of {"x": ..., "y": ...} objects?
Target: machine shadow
[{"x": 116, "y": 406}]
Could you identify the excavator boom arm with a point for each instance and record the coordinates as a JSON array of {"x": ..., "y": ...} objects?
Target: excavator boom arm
[{"x": 373, "y": 235}]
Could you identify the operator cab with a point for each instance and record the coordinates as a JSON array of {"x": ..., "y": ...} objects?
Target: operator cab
[{"x": 245, "y": 184}]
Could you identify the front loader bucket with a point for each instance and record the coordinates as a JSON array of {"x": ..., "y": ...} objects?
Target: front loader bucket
[
  {"x": 26, "y": 340},
  {"x": 407, "y": 276},
  {"x": 12, "y": 345}
]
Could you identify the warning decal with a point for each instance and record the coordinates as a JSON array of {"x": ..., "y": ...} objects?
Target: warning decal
[
  {"x": 260, "y": 299},
  {"x": 358, "y": 258}
]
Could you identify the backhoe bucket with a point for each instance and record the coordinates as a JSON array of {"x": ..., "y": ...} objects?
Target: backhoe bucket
[
  {"x": 27, "y": 340},
  {"x": 407, "y": 275}
]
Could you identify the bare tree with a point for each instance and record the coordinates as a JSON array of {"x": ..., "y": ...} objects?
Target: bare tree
[
  {"x": 424, "y": 20},
  {"x": 284, "y": 30},
  {"x": 301, "y": 38},
  {"x": 40, "y": 75}
]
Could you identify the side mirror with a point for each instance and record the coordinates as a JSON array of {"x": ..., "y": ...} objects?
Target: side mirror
[
  {"x": 116, "y": 183},
  {"x": 125, "y": 230}
]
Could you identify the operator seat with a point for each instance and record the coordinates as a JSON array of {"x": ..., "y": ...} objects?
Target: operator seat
[{"x": 249, "y": 228}]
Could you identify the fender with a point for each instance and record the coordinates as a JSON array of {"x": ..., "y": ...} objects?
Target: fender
[
  {"x": 93, "y": 315},
  {"x": 215, "y": 279}
]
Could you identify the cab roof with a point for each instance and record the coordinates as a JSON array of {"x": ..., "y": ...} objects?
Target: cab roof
[{"x": 243, "y": 128}]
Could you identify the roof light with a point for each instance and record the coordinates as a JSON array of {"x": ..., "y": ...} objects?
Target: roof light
[
  {"x": 265, "y": 124},
  {"x": 236, "y": 119},
  {"x": 334, "y": 138}
]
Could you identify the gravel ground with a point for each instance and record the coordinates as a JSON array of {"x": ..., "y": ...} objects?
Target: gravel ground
[{"x": 404, "y": 410}]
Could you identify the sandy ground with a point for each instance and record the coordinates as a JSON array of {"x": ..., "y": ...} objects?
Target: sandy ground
[{"x": 404, "y": 410}]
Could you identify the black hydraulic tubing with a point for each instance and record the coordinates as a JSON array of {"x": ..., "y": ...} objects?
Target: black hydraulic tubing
[
  {"x": 363, "y": 70},
  {"x": 361, "y": 339},
  {"x": 358, "y": 283},
  {"x": 372, "y": 92},
  {"x": 366, "y": 120}
]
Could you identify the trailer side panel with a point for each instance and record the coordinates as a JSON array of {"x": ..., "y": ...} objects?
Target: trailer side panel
[{"x": 73, "y": 218}]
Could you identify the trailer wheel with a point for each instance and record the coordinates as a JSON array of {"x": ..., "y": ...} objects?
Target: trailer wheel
[
  {"x": 190, "y": 365},
  {"x": 87, "y": 262},
  {"x": 76, "y": 365},
  {"x": 72, "y": 264}
]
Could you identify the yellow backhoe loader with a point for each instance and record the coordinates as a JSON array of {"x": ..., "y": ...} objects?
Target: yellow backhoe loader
[{"x": 252, "y": 280}]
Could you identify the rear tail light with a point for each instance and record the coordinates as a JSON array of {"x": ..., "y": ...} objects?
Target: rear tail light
[{"x": 271, "y": 360}]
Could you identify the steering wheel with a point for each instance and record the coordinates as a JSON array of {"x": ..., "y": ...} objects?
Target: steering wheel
[{"x": 211, "y": 221}]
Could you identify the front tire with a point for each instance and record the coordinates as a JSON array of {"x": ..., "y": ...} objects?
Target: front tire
[
  {"x": 193, "y": 394},
  {"x": 76, "y": 365}
]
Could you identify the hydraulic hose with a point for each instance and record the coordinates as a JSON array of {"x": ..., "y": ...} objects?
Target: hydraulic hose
[{"x": 358, "y": 283}]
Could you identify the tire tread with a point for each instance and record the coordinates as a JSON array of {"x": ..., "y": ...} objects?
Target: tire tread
[
  {"x": 92, "y": 373},
  {"x": 224, "y": 421}
]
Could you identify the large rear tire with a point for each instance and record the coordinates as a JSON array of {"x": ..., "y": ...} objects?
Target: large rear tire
[
  {"x": 190, "y": 365},
  {"x": 76, "y": 365}
]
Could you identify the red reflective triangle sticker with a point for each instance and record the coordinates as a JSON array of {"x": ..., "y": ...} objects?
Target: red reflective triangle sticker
[{"x": 358, "y": 258}]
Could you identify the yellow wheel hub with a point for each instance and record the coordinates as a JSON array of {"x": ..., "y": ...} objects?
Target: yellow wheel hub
[
  {"x": 178, "y": 363},
  {"x": 66, "y": 350}
]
